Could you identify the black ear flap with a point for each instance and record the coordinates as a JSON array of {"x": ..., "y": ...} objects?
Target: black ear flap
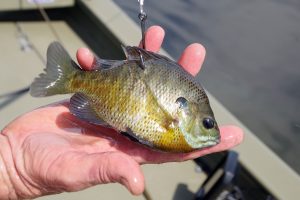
[{"x": 182, "y": 102}]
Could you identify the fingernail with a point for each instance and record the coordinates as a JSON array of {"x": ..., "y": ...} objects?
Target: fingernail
[{"x": 85, "y": 58}]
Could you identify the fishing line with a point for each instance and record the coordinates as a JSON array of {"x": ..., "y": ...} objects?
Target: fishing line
[
  {"x": 25, "y": 46},
  {"x": 12, "y": 96},
  {"x": 47, "y": 20},
  {"x": 143, "y": 17},
  {"x": 18, "y": 92},
  {"x": 25, "y": 43}
]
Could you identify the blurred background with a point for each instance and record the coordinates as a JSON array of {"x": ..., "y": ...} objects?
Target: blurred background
[{"x": 252, "y": 63}]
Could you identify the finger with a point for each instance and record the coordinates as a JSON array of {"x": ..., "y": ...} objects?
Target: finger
[
  {"x": 85, "y": 58},
  {"x": 101, "y": 168},
  {"x": 117, "y": 167},
  {"x": 192, "y": 58},
  {"x": 154, "y": 37},
  {"x": 230, "y": 137}
]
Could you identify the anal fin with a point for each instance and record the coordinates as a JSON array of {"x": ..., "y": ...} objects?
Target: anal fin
[{"x": 81, "y": 108}]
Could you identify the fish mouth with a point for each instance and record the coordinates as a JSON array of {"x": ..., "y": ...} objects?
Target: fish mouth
[
  {"x": 197, "y": 136},
  {"x": 210, "y": 143},
  {"x": 203, "y": 143},
  {"x": 216, "y": 139}
]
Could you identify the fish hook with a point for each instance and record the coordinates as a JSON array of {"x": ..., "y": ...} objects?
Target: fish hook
[
  {"x": 142, "y": 16},
  {"x": 142, "y": 63}
]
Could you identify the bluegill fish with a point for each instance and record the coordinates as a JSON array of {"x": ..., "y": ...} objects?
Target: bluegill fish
[{"x": 148, "y": 96}]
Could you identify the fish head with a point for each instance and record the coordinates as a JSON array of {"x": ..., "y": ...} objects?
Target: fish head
[{"x": 197, "y": 123}]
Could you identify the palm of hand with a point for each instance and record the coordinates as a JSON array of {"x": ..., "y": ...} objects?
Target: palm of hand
[{"x": 64, "y": 153}]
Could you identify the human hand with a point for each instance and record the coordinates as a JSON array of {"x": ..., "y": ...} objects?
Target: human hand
[{"x": 50, "y": 151}]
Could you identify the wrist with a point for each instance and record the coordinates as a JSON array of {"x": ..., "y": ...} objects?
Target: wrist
[{"x": 7, "y": 190}]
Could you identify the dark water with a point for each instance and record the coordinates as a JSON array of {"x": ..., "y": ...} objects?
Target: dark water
[{"x": 253, "y": 59}]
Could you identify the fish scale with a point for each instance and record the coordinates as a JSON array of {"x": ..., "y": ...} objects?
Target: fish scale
[{"x": 128, "y": 102}]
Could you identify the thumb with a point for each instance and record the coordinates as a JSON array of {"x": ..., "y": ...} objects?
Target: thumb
[
  {"x": 86, "y": 170},
  {"x": 118, "y": 167}
]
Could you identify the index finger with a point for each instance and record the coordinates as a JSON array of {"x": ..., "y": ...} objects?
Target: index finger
[{"x": 154, "y": 37}]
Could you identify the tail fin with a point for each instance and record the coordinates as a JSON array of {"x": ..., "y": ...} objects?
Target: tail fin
[{"x": 59, "y": 67}]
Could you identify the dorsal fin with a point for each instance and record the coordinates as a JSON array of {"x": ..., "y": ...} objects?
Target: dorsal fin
[
  {"x": 100, "y": 64},
  {"x": 133, "y": 53}
]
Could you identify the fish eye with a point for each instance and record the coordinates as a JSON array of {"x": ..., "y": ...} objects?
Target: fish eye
[
  {"x": 182, "y": 102},
  {"x": 208, "y": 123}
]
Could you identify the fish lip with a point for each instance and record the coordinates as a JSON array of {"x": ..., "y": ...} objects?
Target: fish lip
[
  {"x": 213, "y": 143},
  {"x": 208, "y": 145},
  {"x": 218, "y": 139}
]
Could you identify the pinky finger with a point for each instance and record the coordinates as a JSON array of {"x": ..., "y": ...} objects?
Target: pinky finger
[{"x": 154, "y": 38}]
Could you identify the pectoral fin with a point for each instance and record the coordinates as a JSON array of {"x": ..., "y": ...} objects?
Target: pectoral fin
[{"x": 81, "y": 108}]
